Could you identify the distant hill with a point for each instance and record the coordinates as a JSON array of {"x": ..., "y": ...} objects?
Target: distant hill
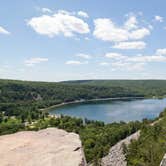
[{"x": 45, "y": 94}]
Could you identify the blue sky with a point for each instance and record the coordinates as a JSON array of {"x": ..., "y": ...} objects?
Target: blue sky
[{"x": 58, "y": 40}]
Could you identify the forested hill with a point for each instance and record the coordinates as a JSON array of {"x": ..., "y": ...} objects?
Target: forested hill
[
  {"x": 122, "y": 83},
  {"x": 143, "y": 87},
  {"x": 45, "y": 94}
]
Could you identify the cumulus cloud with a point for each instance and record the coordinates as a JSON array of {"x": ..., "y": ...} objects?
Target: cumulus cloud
[
  {"x": 131, "y": 23},
  {"x": 85, "y": 56},
  {"x": 138, "y": 58},
  {"x": 33, "y": 61},
  {"x": 83, "y": 14},
  {"x": 161, "y": 51},
  {"x": 159, "y": 18},
  {"x": 46, "y": 10},
  {"x": 62, "y": 22},
  {"x": 119, "y": 61},
  {"x": 147, "y": 58},
  {"x": 73, "y": 62},
  {"x": 128, "y": 66},
  {"x": 107, "y": 30},
  {"x": 114, "y": 55},
  {"x": 4, "y": 31},
  {"x": 130, "y": 45},
  {"x": 139, "y": 33}
]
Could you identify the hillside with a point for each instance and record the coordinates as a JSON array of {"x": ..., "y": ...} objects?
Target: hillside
[{"x": 150, "y": 148}]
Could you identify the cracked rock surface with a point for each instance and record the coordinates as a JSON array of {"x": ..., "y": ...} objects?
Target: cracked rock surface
[{"x": 51, "y": 147}]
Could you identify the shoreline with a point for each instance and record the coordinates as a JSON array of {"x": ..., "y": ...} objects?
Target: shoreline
[{"x": 89, "y": 100}]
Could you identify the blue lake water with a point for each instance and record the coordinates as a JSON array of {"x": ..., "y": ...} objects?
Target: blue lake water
[{"x": 115, "y": 110}]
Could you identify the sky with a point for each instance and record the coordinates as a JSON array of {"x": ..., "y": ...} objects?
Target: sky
[{"x": 59, "y": 40}]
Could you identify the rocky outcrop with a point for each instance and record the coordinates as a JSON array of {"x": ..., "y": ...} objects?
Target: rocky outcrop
[
  {"x": 51, "y": 147},
  {"x": 116, "y": 156},
  {"x": 163, "y": 162}
]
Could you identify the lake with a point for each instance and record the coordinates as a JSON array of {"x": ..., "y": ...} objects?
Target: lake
[{"x": 114, "y": 110}]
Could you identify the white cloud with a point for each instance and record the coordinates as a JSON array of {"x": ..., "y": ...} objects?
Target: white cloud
[
  {"x": 136, "y": 62},
  {"x": 104, "y": 64},
  {"x": 85, "y": 56},
  {"x": 137, "y": 58},
  {"x": 127, "y": 66},
  {"x": 83, "y": 14},
  {"x": 107, "y": 30},
  {"x": 115, "y": 56},
  {"x": 73, "y": 62},
  {"x": 131, "y": 23},
  {"x": 159, "y": 18},
  {"x": 130, "y": 45},
  {"x": 46, "y": 10},
  {"x": 139, "y": 33},
  {"x": 62, "y": 22},
  {"x": 33, "y": 61},
  {"x": 147, "y": 58},
  {"x": 161, "y": 51},
  {"x": 4, "y": 31}
]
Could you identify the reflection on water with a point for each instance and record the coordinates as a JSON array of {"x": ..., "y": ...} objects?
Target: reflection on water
[{"x": 119, "y": 110}]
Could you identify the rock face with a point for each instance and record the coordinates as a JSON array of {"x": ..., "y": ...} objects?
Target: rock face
[
  {"x": 116, "y": 156},
  {"x": 163, "y": 162},
  {"x": 48, "y": 147}
]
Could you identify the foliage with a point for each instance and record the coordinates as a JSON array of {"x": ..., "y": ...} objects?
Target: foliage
[
  {"x": 9, "y": 126},
  {"x": 149, "y": 149},
  {"x": 21, "y": 104},
  {"x": 96, "y": 137}
]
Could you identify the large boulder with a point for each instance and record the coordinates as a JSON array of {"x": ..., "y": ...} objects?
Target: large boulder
[{"x": 48, "y": 147}]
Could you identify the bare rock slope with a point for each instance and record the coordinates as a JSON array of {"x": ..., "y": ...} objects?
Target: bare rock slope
[
  {"x": 48, "y": 147},
  {"x": 116, "y": 156}
]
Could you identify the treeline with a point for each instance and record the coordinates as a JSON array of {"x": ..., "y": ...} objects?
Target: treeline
[
  {"x": 147, "y": 88},
  {"x": 150, "y": 148}
]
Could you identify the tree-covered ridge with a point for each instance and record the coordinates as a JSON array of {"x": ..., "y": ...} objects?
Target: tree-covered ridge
[
  {"x": 38, "y": 92},
  {"x": 25, "y": 98},
  {"x": 150, "y": 148},
  {"x": 146, "y": 87}
]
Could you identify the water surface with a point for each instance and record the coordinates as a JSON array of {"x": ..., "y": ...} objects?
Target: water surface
[{"x": 115, "y": 110}]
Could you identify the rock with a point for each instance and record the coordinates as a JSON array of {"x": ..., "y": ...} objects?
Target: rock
[
  {"x": 48, "y": 147},
  {"x": 116, "y": 156},
  {"x": 163, "y": 162}
]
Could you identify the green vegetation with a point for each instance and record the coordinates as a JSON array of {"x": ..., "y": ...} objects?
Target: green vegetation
[
  {"x": 9, "y": 126},
  {"x": 23, "y": 98},
  {"x": 150, "y": 148},
  {"x": 147, "y": 88},
  {"x": 21, "y": 104},
  {"x": 96, "y": 137}
]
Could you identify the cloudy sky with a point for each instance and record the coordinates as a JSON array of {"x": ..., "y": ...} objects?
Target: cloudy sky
[{"x": 82, "y": 39}]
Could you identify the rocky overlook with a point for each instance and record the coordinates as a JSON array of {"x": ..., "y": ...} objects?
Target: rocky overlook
[{"x": 45, "y": 147}]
